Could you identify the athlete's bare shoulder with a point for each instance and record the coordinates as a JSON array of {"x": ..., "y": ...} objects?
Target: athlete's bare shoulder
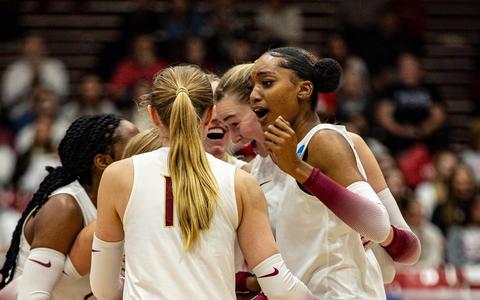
[{"x": 329, "y": 151}]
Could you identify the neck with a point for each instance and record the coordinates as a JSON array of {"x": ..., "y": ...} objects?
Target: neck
[{"x": 304, "y": 122}]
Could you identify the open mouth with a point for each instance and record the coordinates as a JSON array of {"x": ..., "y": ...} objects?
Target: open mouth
[
  {"x": 215, "y": 133},
  {"x": 261, "y": 112}
]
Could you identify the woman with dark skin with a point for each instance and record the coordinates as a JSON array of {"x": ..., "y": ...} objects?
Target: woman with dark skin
[
  {"x": 321, "y": 167},
  {"x": 65, "y": 203}
]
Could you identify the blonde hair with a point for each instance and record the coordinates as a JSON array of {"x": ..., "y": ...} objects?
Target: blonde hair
[
  {"x": 181, "y": 95},
  {"x": 145, "y": 141},
  {"x": 236, "y": 81}
]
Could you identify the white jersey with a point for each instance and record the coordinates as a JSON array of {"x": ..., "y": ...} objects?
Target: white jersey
[
  {"x": 319, "y": 248},
  {"x": 65, "y": 288},
  {"x": 156, "y": 263},
  {"x": 269, "y": 177}
]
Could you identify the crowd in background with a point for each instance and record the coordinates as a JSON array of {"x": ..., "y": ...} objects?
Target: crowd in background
[{"x": 383, "y": 97}]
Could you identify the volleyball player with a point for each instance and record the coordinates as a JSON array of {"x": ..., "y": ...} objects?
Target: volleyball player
[
  {"x": 235, "y": 110},
  {"x": 327, "y": 201},
  {"x": 176, "y": 211},
  {"x": 64, "y": 203}
]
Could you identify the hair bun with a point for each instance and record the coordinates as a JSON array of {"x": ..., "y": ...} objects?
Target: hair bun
[{"x": 327, "y": 74}]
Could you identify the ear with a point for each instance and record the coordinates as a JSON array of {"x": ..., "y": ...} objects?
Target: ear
[
  {"x": 305, "y": 90},
  {"x": 209, "y": 115},
  {"x": 152, "y": 112},
  {"x": 101, "y": 161}
]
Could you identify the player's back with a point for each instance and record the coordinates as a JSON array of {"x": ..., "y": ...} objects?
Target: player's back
[{"x": 157, "y": 265}]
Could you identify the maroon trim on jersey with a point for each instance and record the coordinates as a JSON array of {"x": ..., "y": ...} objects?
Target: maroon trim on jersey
[
  {"x": 168, "y": 202},
  {"x": 43, "y": 264}
]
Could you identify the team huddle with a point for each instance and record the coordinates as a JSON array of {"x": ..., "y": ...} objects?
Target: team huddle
[{"x": 168, "y": 213}]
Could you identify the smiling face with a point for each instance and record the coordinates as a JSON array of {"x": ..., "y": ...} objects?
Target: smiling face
[
  {"x": 275, "y": 91},
  {"x": 242, "y": 122},
  {"x": 218, "y": 137}
]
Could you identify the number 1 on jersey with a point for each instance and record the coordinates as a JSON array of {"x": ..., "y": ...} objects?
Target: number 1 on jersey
[{"x": 168, "y": 202}]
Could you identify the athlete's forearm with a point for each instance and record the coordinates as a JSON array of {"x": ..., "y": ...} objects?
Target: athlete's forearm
[
  {"x": 278, "y": 283},
  {"x": 408, "y": 251},
  {"x": 106, "y": 268},
  {"x": 357, "y": 205},
  {"x": 404, "y": 247},
  {"x": 41, "y": 272}
]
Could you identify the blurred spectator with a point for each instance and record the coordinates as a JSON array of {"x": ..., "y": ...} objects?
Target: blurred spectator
[
  {"x": 142, "y": 64},
  {"x": 30, "y": 168},
  {"x": 225, "y": 25},
  {"x": 90, "y": 101},
  {"x": 8, "y": 220},
  {"x": 471, "y": 156},
  {"x": 46, "y": 105},
  {"x": 196, "y": 53},
  {"x": 359, "y": 15},
  {"x": 434, "y": 191},
  {"x": 353, "y": 96},
  {"x": 181, "y": 19},
  {"x": 431, "y": 238},
  {"x": 142, "y": 19},
  {"x": 280, "y": 23},
  {"x": 33, "y": 68},
  {"x": 240, "y": 50},
  {"x": 411, "y": 111},
  {"x": 396, "y": 184},
  {"x": 7, "y": 158},
  {"x": 461, "y": 193},
  {"x": 463, "y": 246},
  {"x": 338, "y": 49},
  {"x": 381, "y": 47}
]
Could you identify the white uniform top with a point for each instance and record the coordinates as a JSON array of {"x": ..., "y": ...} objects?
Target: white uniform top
[
  {"x": 156, "y": 263},
  {"x": 270, "y": 178},
  {"x": 319, "y": 248},
  {"x": 65, "y": 288}
]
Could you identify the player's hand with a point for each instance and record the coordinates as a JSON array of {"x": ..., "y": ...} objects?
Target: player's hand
[
  {"x": 281, "y": 143},
  {"x": 367, "y": 244}
]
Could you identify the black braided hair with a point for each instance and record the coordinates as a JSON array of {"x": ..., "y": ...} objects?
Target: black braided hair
[
  {"x": 86, "y": 137},
  {"x": 324, "y": 73}
]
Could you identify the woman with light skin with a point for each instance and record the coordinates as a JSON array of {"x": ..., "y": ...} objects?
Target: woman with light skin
[{"x": 237, "y": 114}]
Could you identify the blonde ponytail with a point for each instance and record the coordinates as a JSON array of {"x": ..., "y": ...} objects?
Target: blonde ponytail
[
  {"x": 182, "y": 95},
  {"x": 194, "y": 187}
]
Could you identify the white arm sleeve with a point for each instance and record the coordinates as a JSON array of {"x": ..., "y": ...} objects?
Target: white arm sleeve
[
  {"x": 277, "y": 282},
  {"x": 394, "y": 213},
  {"x": 376, "y": 226},
  {"x": 105, "y": 269},
  {"x": 41, "y": 272},
  {"x": 386, "y": 263},
  {"x": 384, "y": 259}
]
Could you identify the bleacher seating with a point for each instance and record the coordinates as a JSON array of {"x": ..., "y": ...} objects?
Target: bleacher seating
[{"x": 77, "y": 33}]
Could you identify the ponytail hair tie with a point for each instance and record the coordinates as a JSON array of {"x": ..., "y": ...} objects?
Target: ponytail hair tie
[{"x": 182, "y": 90}]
